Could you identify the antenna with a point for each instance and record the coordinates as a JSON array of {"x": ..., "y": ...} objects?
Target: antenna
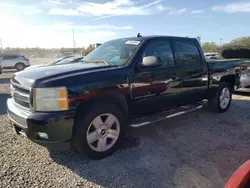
[
  {"x": 139, "y": 35},
  {"x": 221, "y": 41},
  {"x": 74, "y": 42}
]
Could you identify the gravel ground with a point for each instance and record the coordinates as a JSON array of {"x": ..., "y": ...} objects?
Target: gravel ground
[{"x": 200, "y": 149}]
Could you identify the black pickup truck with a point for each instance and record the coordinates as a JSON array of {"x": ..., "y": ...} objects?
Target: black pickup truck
[{"x": 90, "y": 105}]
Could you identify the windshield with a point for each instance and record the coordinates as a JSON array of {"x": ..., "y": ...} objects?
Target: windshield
[{"x": 116, "y": 52}]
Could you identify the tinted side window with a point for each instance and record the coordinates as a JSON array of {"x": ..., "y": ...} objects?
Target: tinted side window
[
  {"x": 187, "y": 52},
  {"x": 162, "y": 50},
  {"x": 10, "y": 56}
]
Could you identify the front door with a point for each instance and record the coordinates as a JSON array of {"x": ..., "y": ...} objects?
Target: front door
[{"x": 158, "y": 88}]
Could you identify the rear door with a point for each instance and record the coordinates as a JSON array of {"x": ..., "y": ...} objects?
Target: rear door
[{"x": 195, "y": 70}]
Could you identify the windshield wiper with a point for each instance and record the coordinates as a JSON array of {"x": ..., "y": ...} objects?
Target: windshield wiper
[
  {"x": 99, "y": 62},
  {"x": 95, "y": 61},
  {"x": 84, "y": 61}
]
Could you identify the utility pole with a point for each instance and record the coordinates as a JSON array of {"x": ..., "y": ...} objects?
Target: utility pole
[
  {"x": 74, "y": 43},
  {"x": 221, "y": 41},
  {"x": 1, "y": 45}
]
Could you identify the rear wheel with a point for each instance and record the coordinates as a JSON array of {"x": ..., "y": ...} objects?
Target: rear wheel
[
  {"x": 99, "y": 132},
  {"x": 20, "y": 66},
  {"x": 221, "y": 101}
]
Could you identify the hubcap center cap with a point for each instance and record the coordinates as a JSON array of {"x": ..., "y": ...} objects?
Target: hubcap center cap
[{"x": 103, "y": 132}]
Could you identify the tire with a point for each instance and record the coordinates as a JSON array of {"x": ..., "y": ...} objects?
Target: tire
[
  {"x": 215, "y": 102},
  {"x": 20, "y": 66},
  {"x": 84, "y": 125}
]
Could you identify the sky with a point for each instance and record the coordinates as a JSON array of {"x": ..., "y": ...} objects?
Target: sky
[{"x": 50, "y": 23}]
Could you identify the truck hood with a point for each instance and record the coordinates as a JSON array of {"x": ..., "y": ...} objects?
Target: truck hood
[
  {"x": 27, "y": 77},
  {"x": 34, "y": 66}
]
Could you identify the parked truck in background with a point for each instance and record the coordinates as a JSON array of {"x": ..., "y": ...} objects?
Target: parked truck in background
[{"x": 90, "y": 105}]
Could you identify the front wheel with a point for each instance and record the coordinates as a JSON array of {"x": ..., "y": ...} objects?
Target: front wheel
[
  {"x": 20, "y": 66},
  {"x": 221, "y": 101},
  {"x": 98, "y": 133}
]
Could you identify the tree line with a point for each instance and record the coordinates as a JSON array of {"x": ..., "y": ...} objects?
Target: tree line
[
  {"x": 213, "y": 47},
  {"x": 55, "y": 52}
]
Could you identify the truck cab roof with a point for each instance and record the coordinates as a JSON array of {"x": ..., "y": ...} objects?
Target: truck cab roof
[{"x": 143, "y": 38}]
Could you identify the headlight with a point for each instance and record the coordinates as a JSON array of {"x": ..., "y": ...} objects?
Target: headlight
[{"x": 50, "y": 99}]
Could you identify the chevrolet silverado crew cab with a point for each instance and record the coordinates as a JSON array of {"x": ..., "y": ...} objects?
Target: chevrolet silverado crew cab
[{"x": 89, "y": 105}]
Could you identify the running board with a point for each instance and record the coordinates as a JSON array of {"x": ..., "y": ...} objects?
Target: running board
[{"x": 139, "y": 122}]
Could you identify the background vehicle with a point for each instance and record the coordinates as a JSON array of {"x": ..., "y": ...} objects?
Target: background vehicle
[
  {"x": 241, "y": 62},
  {"x": 211, "y": 55},
  {"x": 61, "y": 61},
  {"x": 244, "y": 78},
  {"x": 14, "y": 61},
  {"x": 91, "y": 104}
]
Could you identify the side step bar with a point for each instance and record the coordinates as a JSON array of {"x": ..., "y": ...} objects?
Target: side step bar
[{"x": 139, "y": 122}]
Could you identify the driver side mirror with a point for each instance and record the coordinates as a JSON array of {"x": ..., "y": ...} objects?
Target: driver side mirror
[{"x": 150, "y": 61}]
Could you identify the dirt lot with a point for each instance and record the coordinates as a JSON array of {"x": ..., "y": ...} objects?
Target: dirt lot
[{"x": 200, "y": 149}]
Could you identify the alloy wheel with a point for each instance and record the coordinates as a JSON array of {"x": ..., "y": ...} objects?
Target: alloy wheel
[
  {"x": 224, "y": 98},
  {"x": 103, "y": 132}
]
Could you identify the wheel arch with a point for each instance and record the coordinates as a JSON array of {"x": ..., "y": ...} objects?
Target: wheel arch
[
  {"x": 19, "y": 62},
  {"x": 230, "y": 79},
  {"x": 116, "y": 99}
]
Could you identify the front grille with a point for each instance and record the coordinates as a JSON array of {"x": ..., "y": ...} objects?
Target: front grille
[{"x": 20, "y": 96}]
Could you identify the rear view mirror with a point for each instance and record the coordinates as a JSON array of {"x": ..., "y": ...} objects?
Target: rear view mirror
[{"x": 150, "y": 61}]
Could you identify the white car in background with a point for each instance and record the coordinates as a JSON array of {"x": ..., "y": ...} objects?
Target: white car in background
[
  {"x": 211, "y": 55},
  {"x": 14, "y": 61}
]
